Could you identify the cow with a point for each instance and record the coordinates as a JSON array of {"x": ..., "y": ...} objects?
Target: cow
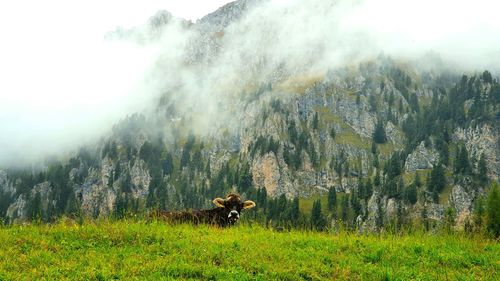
[{"x": 226, "y": 213}]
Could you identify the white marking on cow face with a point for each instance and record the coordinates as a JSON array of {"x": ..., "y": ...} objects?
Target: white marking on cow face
[{"x": 233, "y": 214}]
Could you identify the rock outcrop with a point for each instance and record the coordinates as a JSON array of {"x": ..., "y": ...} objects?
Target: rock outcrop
[
  {"x": 421, "y": 158},
  {"x": 482, "y": 139}
]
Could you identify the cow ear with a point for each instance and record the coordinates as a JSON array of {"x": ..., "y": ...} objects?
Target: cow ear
[
  {"x": 219, "y": 202},
  {"x": 248, "y": 204}
]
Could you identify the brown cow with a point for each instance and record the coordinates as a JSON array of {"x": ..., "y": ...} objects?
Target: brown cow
[{"x": 226, "y": 213}]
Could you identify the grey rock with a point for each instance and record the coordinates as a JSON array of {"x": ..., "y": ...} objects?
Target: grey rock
[
  {"x": 140, "y": 179},
  {"x": 482, "y": 139},
  {"x": 6, "y": 187},
  {"x": 17, "y": 211},
  {"x": 421, "y": 158},
  {"x": 461, "y": 198}
]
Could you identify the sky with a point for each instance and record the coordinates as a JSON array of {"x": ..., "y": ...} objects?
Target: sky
[
  {"x": 59, "y": 78},
  {"x": 61, "y": 85}
]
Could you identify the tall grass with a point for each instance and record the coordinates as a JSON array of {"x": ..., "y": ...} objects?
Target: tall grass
[{"x": 136, "y": 249}]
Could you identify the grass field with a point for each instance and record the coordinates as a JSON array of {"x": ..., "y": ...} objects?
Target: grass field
[{"x": 131, "y": 250}]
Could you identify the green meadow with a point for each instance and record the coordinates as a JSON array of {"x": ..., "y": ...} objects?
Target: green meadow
[{"x": 138, "y": 250}]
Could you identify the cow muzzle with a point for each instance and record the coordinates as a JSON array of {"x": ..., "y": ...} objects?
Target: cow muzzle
[{"x": 234, "y": 215}]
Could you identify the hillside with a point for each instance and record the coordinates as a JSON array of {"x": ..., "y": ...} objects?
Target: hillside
[
  {"x": 390, "y": 142},
  {"x": 156, "y": 251}
]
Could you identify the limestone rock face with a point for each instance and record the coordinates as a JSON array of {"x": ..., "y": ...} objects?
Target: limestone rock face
[
  {"x": 140, "y": 179},
  {"x": 421, "y": 158},
  {"x": 91, "y": 192},
  {"x": 266, "y": 173},
  {"x": 435, "y": 211},
  {"x": 44, "y": 189},
  {"x": 106, "y": 170},
  {"x": 226, "y": 15},
  {"x": 6, "y": 187},
  {"x": 393, "y": 133},
  {"x": 391, "y": 208},
  {"x": 18, "y": 211},
  {"x": 372, "y": 210},
  {"x": 482, "y": 139},
  {"x": 461, "y": 198}
]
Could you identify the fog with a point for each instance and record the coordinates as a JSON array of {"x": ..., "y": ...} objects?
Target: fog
[{"x": 63, "y": 85}]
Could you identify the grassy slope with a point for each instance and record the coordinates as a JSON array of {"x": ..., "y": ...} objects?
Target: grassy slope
[{"x": 156, "y": 251}]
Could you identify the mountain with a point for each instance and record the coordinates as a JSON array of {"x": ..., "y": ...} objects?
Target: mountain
[{"x": 397, "y": 143}]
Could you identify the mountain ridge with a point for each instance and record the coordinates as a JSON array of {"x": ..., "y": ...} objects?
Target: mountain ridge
[{"x": 366, "y": 131}]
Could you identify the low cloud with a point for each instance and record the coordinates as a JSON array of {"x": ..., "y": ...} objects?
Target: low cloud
[{"x": 64, "y": 88}]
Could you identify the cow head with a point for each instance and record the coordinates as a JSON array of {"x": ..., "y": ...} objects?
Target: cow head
[{"x": 231, "y": 207}]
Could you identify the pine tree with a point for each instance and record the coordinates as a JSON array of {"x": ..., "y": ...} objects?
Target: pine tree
[
  {"x": 292, "y": 132},
  {"x": 295, "y": 210},
  {"x": 391, "y": 99},
  {"x": 72, "y": 208},
  {"x": 493, "y": 211},
  {"x": 244, "y": 178},
  {"x": 437, "y": 181},
  {"x": 372, "y": 101},
  {"x": 478, "y": 214},
  {"x": 376, "y": 163},
  {"x": 355, "y": 206},
  {"x": 208, "y": 169},
  {"x": 414, "y": 103},
  {"x": 262, "y": 198},
  {"x": 400, "y": 215},
  {"x": 317, "y": 219},
  {"x": 411, "y": 194},
  {"x": 282, "y": 205},
  {"x": 377, "y": 181},
  {"x": 368, "y": 189},
  {"x": 487, "y": 77},
  {"x": 312, "y": 155},
  {"x": 315, "y": 124},
  {"x": 344, "y": 209},
  {"x": 462, "y": 165},
  {"x": 168, "y": 164},
  {"x": 464, "y": 159},
  {"x": 117, "y": 172},
  {"x": 361, "y": 188},
  {"x": 393, "y": 167},
  {"x": 185, "y": 158},
  {"x": 120, "y": 206},
  {"x": 288, "y": 158},
  {"x": 35, "y": 207},
  {"x": 401, "y": 191},
  {"x": 424, "y": 217},
  {"x": 111, "y": 179},
  {"x": 332, "y": 133},
  {"x": 163, "y": 195},
  {"x": 379, "y": 216},
  {"x": 444, "y": 153},
  {"x": 379, "y": 135},
  {"x": 152, "y": 200},
  {"x": 449, "y": 218},
  {"x": 332, "y": 199},
  {"x": 417, "y": 181},
  {"x": 482, "y": 171}
]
